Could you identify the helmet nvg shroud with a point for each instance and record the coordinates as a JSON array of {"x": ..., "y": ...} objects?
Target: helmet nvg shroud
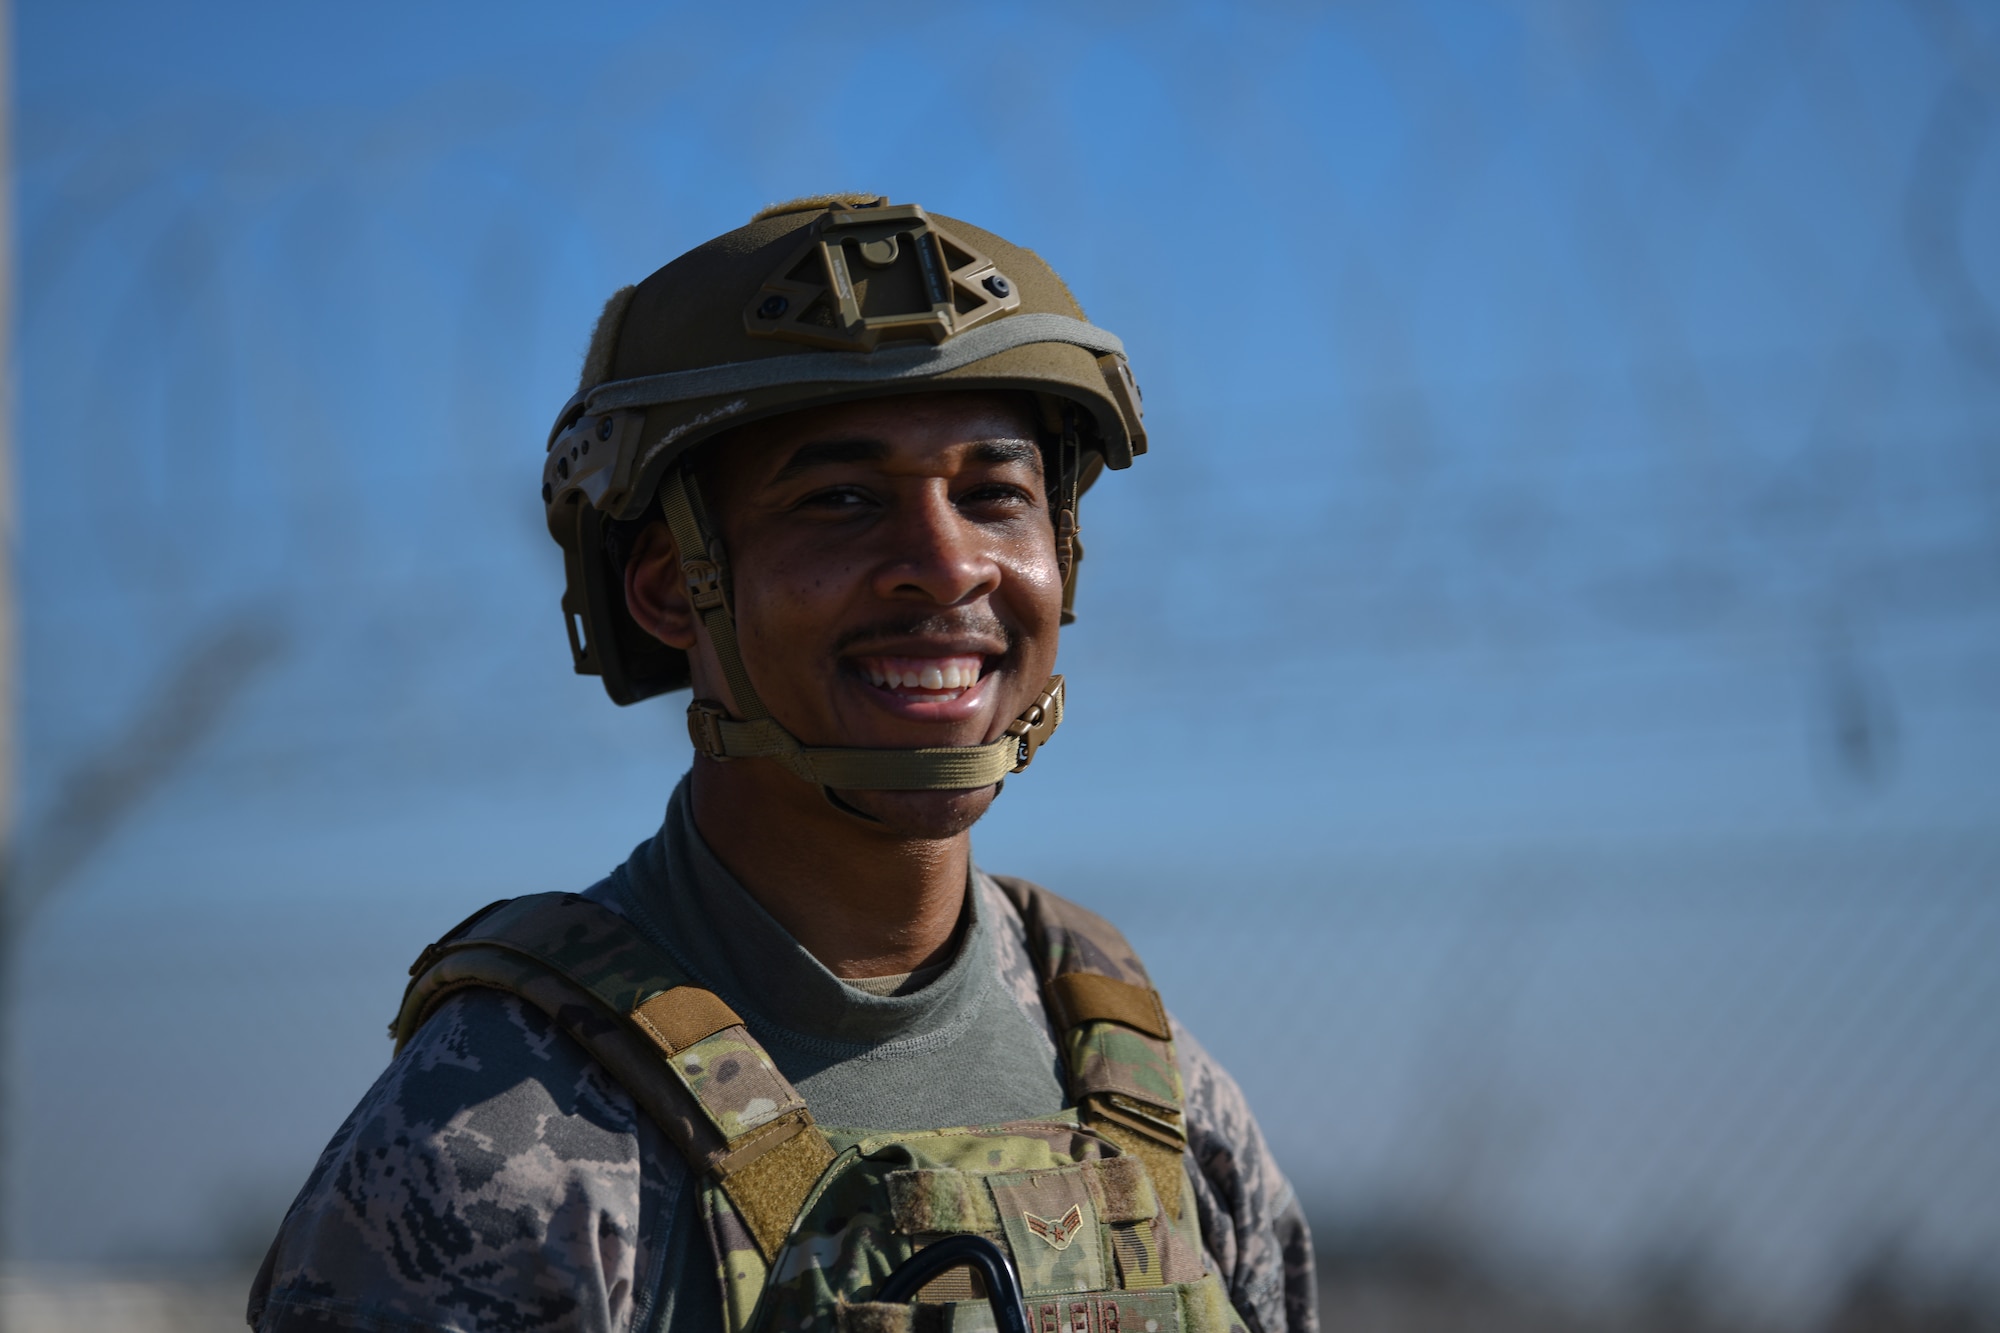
[{"x": 819, "y": 301}]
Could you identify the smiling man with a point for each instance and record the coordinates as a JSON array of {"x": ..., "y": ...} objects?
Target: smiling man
[{"x": 798, "y": 1063}]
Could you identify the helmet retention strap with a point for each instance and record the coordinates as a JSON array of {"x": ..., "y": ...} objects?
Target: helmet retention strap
[
  {"x": 755, "y": 734},
  {"x": 1069, "y": 469}
]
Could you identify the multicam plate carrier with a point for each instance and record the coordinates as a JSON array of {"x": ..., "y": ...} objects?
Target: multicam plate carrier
[{"x": 806, "y": 1221}]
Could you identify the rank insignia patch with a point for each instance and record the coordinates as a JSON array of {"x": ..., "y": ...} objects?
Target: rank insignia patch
[{"x": 1060, "y": 1232}]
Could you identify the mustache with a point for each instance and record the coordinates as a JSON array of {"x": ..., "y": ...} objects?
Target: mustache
[{"x": 969, "y": 624}]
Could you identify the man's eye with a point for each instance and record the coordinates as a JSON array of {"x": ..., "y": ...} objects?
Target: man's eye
[
  {"x": 993, "y": 493},
  {"x": 836, "y": 498}
]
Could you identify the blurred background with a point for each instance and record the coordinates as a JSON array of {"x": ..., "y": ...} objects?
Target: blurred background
[{"x": 1535, "y": 707}]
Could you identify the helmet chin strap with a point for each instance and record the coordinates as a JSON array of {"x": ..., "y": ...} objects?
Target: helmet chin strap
[{"x": 758, "y": 735}]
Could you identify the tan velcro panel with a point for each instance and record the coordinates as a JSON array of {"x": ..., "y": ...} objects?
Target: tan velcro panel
[
  {"x": 1125, "y": 1192},
  {"x": 769, "y": 1178},
  {"x": 680, "y": 1017},
  {"x": 1085, "y": 997},
  {"x": 873, "y": 1317}
]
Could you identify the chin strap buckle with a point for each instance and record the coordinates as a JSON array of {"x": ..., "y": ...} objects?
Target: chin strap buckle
[
  {"x": 704, "y": 583},
  {"x": 1038, "y": 721},
  {"x": 705, "y": 719}
]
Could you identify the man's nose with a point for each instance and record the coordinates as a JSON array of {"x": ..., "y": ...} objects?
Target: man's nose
[{"x": 936, "y": 553}]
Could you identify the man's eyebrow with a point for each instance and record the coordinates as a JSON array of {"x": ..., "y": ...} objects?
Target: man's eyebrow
[
  {"x": 861, "y": 449},
  {"x": 822, "y": 452},
  {"x": 1006, "y": 451}
]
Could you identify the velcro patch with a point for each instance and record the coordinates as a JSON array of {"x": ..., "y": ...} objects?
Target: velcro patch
[
  {"x": 940, "y": 1201},
  {"x": 875, "y": 1317},
  {"x": 1085, "y": 997},
  {"x": 1125, "y": 1192},
  {"x": 682, "y": 1016}
]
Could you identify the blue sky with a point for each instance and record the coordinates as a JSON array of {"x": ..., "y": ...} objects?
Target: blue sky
[{"x": 1572, "y": 465}]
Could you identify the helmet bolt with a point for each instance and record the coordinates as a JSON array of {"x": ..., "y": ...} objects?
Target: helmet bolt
[
  {"x": 562, "y": 469},
  {"x": 772, "y": 307},
  {"x": 548, "y": 493},
  {"x": 604, "y": 428},
  {"x": 998, "y": 285}
]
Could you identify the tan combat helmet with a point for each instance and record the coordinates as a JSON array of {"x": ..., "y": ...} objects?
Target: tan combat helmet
[{"x": 818, "y": 301}]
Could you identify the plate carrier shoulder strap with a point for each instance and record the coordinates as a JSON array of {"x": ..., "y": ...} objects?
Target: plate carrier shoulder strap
[{"x": 665, "y": 1039}]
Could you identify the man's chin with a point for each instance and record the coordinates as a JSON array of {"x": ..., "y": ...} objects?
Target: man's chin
[{"x": 934, "y": 815}]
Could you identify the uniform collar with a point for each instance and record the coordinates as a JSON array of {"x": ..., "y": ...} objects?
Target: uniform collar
[{"x": 678, "y": 892}]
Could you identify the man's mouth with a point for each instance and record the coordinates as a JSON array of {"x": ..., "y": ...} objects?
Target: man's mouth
[{"x": 922, "y": 679}]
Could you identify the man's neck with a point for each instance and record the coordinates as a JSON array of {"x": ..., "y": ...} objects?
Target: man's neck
[{"x": 861, "y": 899}]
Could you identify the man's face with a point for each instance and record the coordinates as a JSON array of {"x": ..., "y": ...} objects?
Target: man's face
[{"x": 894, "y": 577}]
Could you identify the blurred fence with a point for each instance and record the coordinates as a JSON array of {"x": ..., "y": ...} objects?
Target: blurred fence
[
  {"x": 1567, "y": 801},
  {"x": 1722, "y": 1084}
]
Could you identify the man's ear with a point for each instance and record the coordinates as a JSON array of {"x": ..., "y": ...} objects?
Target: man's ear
[{"x": 655, "y": 592}]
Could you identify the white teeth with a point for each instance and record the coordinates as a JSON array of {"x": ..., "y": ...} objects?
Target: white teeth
[{"x": 934, "y": 679}]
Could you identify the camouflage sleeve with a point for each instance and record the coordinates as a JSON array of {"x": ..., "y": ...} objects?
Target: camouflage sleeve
[
  {"x": 493, "y": 1178},
  {"x": 1251, "y": 1224}
]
